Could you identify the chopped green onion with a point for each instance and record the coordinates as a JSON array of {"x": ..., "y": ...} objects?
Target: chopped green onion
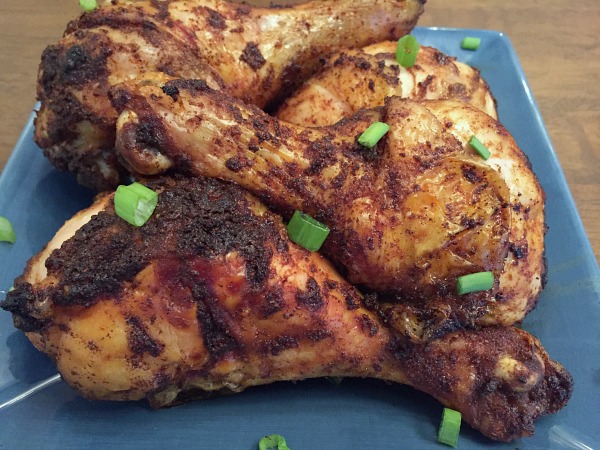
[
  {"x": 407, "y": 50},
  {"x": 306, "y": 231},
  {"x": 88, "y": 5},
  {"x": 470, "y": 43},
  {"x": 135, "y": 203},
  {"x": 480, "y": 281},
  {"x": 7, "y": 233},
  {"x": 273, "y": 441},
  {"x": 479, "y": 147},
  {"x": 450, "y": 427},
  {"x": 373, "y": 134}
]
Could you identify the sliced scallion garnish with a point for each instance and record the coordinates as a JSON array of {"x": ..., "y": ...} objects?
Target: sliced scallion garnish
[
  {"x": 449, "y": 427},
  {"x": 479, "y": 147},
  {"x": 474, "y": 282},
  {"x": 407, "y": 50},
  {"x": 373, "y": 134},
  {"x": 306, "y": 231},
  {"x": 135, "y": 203},
  {"x": 7, "y": 232},
  {"x": 88, "y": 5},
  {"x": 273, "y": 441},
  {"x": 470, "y": 43}
]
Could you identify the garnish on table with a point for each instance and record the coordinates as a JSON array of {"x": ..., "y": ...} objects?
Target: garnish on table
[
  {"x": 7, "y": 232},
  {"x": 449, "y": 427},
  {"x": 273, "y": 441},
  {"x": 470, "y": 43},
  {"x": 88, "y": 5}
]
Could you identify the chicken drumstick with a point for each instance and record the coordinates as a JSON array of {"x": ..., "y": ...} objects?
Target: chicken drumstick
[
  {"x": 256, "y": 54},
  {"x": 355, "y": 79},
  {"x": 210, "y": 295},
  {"x": 407, "y": 217}
]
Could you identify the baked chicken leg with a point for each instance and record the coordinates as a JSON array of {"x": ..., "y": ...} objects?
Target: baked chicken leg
[
  {"x": 210, "y": 295},
  {"x": 407, "y": 217},
  {"x": 256, "y": 54},
  {"x": 356, "y": 79}
]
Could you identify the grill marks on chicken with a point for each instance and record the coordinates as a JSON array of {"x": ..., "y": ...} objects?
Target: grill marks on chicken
[
  {"x": 256, "y": 54},
  {"x": 407, "y": 217},
  {"x": 356, "y": 79},
  {"x": 218, "y": 300}
]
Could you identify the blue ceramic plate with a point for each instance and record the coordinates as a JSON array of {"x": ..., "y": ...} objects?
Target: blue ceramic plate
[{"x": 314, "y": 414}]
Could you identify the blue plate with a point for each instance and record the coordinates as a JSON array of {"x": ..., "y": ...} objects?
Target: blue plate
[{"x": 314, "y": 414}]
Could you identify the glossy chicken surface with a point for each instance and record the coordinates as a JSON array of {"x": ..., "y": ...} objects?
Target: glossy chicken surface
[
  {"x": 407, "y": 217},
  {"x": 211, "y": 296},
  {"x": 256, "y": 54},
  {"x": 356, "y": 79}
]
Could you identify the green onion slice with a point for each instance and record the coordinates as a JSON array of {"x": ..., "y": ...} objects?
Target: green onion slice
[
  {"x": 373, "y": 134},
  {"x": 470, "y": 43},
  {"x": 407, "y": 50},
  {"x": 135, "y": 203},
  {"x": 7, "y": 233},
  {"x": 88, "y": 5},
  {"x": 480, "y": 281},
  {"x": 479, "y": 147},
  {"x": 306, "y": 231},
  {"x": 273, "y": 441},
  {"x": 449, "y": 427}
]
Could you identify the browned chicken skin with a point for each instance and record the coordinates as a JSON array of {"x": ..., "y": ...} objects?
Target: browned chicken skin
[
  {"x": 256, "y": 54},
  {"x": 210, "y": 295},
  {"x": 356, "y": 79},
  {"x": 406, "y": 218}
]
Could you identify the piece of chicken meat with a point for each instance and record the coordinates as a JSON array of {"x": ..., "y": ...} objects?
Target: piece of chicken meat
[
  {"x": 356, "y": 79},
  {"x": 210, "y": 296},
  {"x": 256, "y": 54},
  {"x": 407, "y": 217}
]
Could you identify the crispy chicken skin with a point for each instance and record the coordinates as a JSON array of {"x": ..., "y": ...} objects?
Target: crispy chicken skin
[
  {"x": 356, "y": 79},
  {"x": 210, "y": 295},
  {"x": 407, "y": 217},
  {"x": 256, "y": 54}
]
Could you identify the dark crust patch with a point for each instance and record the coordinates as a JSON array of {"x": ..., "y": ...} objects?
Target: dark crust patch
[
  {"x": 20, "y": 303},
  {"x": 140, "y": 342},
  {"x": 162, "y": 10},
  {"x": 519, "y": 250},
  {"x": 471, "y": 174},
  {"x": 322, "y": 153},
  {"x": 216, "y": 19},
  {"x": 277, "y": 345},
  {"x": 61, "y": 69},
  {"x": 94, "y": 262},
  {"x": 171, "y": 90},
  {"x": 311, "y": 297},
  {"x": 237, "y": 163},
  {"x": 375, "y": 64},
  {"x": 194, "y": 218},
  {"x": 252, "y": 56},
  {"x": 273, "y": 302},
  {"x": 191, "y": 85},
  {"x": 367, "y": 325},
  {"x": 442, "y": 59},
  {"x": 212, "y": 323}
]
